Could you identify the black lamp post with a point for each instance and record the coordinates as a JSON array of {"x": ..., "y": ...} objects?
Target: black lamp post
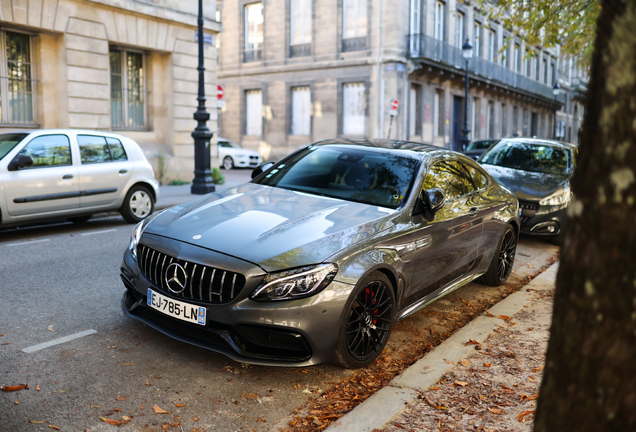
[
  {"x": 467, "y": 53},
  {"x": 555, "y": 92},
  {"x": 202, "y": 182}
]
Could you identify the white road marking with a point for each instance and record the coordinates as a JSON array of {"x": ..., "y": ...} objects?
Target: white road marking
[
  {"x": 58, "y": 341},
  {"x": 28, "y": 242},
  {"x": 99, "y": 232}
]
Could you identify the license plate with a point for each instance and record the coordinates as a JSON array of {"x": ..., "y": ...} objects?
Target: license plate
[{"x": 176, "y": 309}]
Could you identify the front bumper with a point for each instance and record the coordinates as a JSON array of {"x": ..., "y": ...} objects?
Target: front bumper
[
  {"x": 540, "y": 220},
  {"x": 248, "y": 162},
  {"x": 291, "y": 333}
]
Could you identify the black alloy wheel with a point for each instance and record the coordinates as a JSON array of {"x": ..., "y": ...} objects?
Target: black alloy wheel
[
  {"x": 502, "y": 261},
  {"x": 366, "y": 323}
]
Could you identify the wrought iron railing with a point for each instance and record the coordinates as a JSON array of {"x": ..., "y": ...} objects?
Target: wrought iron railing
[
  {"x": 17, "y": 101},
  {"x": 354, "y": 44},
  {"x": 252, "y": 55},
  {"x": 423, "y": 46},
  {"x": 300, "y": 50}
]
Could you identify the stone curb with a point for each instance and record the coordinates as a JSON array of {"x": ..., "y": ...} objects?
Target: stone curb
[{"x": 386, "y": 404}]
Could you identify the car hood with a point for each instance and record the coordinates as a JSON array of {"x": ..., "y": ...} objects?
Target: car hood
[
  {"x": 272, "y": 227},
  {"x": 528, "y": 185}
]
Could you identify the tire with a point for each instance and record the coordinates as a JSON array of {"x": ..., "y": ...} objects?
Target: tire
[
  {"x": 138, "y": 204},
  {"x": 366, "y": 322},
  {"x": 80, "y": 219},
  {"x": 503, "y": 259},
  {"x": 228, "y": 163}
]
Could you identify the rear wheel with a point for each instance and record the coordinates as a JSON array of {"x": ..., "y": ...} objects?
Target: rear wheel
[
  {"x": 228, "y": 163},
  {"x": 366, "y": 322},
  {"x": 138, "y": 204},
  {"x": 503, "y": 259}
]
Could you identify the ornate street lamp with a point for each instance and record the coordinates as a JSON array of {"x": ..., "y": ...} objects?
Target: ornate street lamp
[
  {"x": 467, "y": 53},
  {"x": 202, "y": 182},
  {"x": 555, "y": 92}
]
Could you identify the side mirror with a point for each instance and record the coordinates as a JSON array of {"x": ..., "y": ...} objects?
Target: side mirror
[
  {"x": 261, "y": 169},
  {"x": 428, "y": 203},
  {"x": 20, "y": 161}
]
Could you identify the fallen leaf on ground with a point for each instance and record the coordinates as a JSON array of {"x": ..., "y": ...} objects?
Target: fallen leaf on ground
[
  {"x": 494, "y": 410},
  {"x": 489, "y": 314},
  {"x": 504, "y": 317},
  {"x": 50, "y": 328},
  {"x": 120, "y": 398},
  {"x": 112, "y": 422},
  {"x": 537, "y": 369},
  {"x": 14, "y": 388},
  {"x": 37, "y": 421},
  {"x": 159, "y": 410},
  {"x": 487, "y": 364},
  {"x": 523, "y": 414},
  {"x": 180, "y": 405},
  {"x": 54, "y": 427},
  {"x": 470, "y": 341},
  {"x": 37, "y": 387},
  {"x": 460, "y": 383},
  {"x": 126, "y": 419},
  {"x": 17, "y": 402},
  {"x": 525, "y": 396},
  {"x": 434, "y": 388}
]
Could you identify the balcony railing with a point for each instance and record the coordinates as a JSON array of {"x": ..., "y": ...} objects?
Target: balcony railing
[
  {"x": 299, "y": 50},
  {"x": 354, "y": 44},
  {"x": 252, "y": 55},
  {"x": 423, "y": 46}
]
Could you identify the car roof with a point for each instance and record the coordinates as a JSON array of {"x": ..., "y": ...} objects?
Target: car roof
[
  {"x": 388, "y": 144},
  {"x": 540, "y": 141},
  {"x": 36, "y": 132}
]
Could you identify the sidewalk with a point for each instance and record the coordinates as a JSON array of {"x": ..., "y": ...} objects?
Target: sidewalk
[{"x": 484, "y": 377}]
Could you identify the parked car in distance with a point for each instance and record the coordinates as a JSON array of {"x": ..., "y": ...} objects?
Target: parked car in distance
[
  {"x": 476, "y": 148},
  {"x": 73, "y": 174},
  {"x": 232, "y": 155},
  {"x": 538, "y": 172},
  {"x": 317, "y": 257}
]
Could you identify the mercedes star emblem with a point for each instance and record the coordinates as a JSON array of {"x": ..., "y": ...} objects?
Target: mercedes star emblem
[{"x": 176, "y": 278}]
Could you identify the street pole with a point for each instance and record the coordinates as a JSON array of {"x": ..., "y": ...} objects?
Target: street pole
[
  {"x": 202, "y": 182},
  {"x": 467, "y": 53}
]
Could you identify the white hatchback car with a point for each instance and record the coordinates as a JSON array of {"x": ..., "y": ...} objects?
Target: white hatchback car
[
  {"x": 72, "y": 174},
  {"x": 233, "y": 155}
]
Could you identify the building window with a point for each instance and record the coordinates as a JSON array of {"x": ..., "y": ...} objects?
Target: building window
[
  {"x": 301, "y": 111},
  {"x": 439, "y": 20},
  {"x": 492, "y": 38},
  {"x": 517, "y": 59},
  {"x": 529, "y": 60},
  {"x": 504, "y": 120},
  {"x": 127, "y": 90},
  {"x": 490, "y": 121},
  {"x": 553, "y": 76},
  {"x": 515, "y": 120},
  {"x": 300, "y": 28},
  {"x": 459, "y": 30},
  {"x": 16, "y": 83},
  {"x": 353, "y": 109},
  {"x": 415, "y": 116},
  {"x": 253, "y": 32},
  {"x": 354, "y": 25},
  {"x": 545, "y": 71},
  {"x": 416, "y": 25},
  {"x": 475, "y": 120},
  {"x": 438, "y": 113},
  {"x": 254, "y": 112},
  {"x": 477, "y": 37}
]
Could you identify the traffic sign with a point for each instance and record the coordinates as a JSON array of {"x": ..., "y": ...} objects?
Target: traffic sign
[
  {"x": 394, "y": 104},
  {"x": 220, "y": 91}
]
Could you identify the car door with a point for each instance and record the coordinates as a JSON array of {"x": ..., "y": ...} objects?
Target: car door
[
  {"x": 446, "y": 247},
  {"x": 51, "y": 184},
  {"x": 104, "y": 170}
]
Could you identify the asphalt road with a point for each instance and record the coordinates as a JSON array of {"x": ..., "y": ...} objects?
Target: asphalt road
[{"x": 63, "y": 280}]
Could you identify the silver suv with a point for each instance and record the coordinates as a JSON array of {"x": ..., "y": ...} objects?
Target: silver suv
[{"x": 72, "y": 174}]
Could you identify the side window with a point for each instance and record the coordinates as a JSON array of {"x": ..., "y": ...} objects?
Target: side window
[
  {"x": 93, "y": 149},
  {"x": 225, "y": 144},
  {"x": 479, "y": 180},
  {"x": 116, "y": 149},
  {"x": 48, "y": 151},
  {"x": 451, "y": 177}
]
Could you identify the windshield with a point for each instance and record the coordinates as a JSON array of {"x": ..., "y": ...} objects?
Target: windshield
[
  {"x": 352, "y": 173},
  {"x": 529, "y": 157},
  {"x": 9, "y": 141},
  {"x": 480, "y": 145}
]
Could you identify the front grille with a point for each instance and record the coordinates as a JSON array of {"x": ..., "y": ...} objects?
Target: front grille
[
  {"x": 528, "y": 209},
  {"x": 206, "y": 284},
  {"x": 524, "y": 205}
]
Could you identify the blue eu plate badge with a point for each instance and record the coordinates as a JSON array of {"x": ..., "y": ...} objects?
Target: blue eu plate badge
[{"x": 201, "y": 319}]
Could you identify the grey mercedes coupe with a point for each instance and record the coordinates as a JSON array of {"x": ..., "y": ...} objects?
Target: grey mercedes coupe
[{"x": 319, "y": 255}]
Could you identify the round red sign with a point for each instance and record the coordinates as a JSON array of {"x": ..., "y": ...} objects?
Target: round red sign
[
  {"x": 219, "y": 91},
  {"x": 394, "y": 104}
]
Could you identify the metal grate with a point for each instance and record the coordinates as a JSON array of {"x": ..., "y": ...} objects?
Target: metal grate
[{"x": 206, "y": 284}]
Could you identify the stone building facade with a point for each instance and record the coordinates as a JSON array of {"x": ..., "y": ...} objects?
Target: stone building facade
[
  {"x": 125, "y": 66},
  {"x": 297, "y": 71}
]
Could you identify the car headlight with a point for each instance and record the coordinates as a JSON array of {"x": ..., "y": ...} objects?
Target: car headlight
[
  {"x": 295, "y": 283},
  {"x": 138, "y": 231},
  {"x": 558, "y": 198}
]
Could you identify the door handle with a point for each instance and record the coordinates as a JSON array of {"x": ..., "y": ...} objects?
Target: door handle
[
  {"x": 473, "y": 211},
  {"x": 123, "y": 171},
  {"x": 67, "y": 176}
]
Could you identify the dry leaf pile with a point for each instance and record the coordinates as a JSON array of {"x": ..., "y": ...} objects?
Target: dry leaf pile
[{"x": 496, "y": 388}]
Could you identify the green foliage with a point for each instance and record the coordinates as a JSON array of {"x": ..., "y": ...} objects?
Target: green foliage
[
  {"x": 177, "y": 182},
  {"x": 569, "y": 23},
  {"x": 217, "y": 177}
]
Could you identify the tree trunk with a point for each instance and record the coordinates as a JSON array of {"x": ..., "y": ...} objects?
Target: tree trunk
[{"x": 590, "y": 374}]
